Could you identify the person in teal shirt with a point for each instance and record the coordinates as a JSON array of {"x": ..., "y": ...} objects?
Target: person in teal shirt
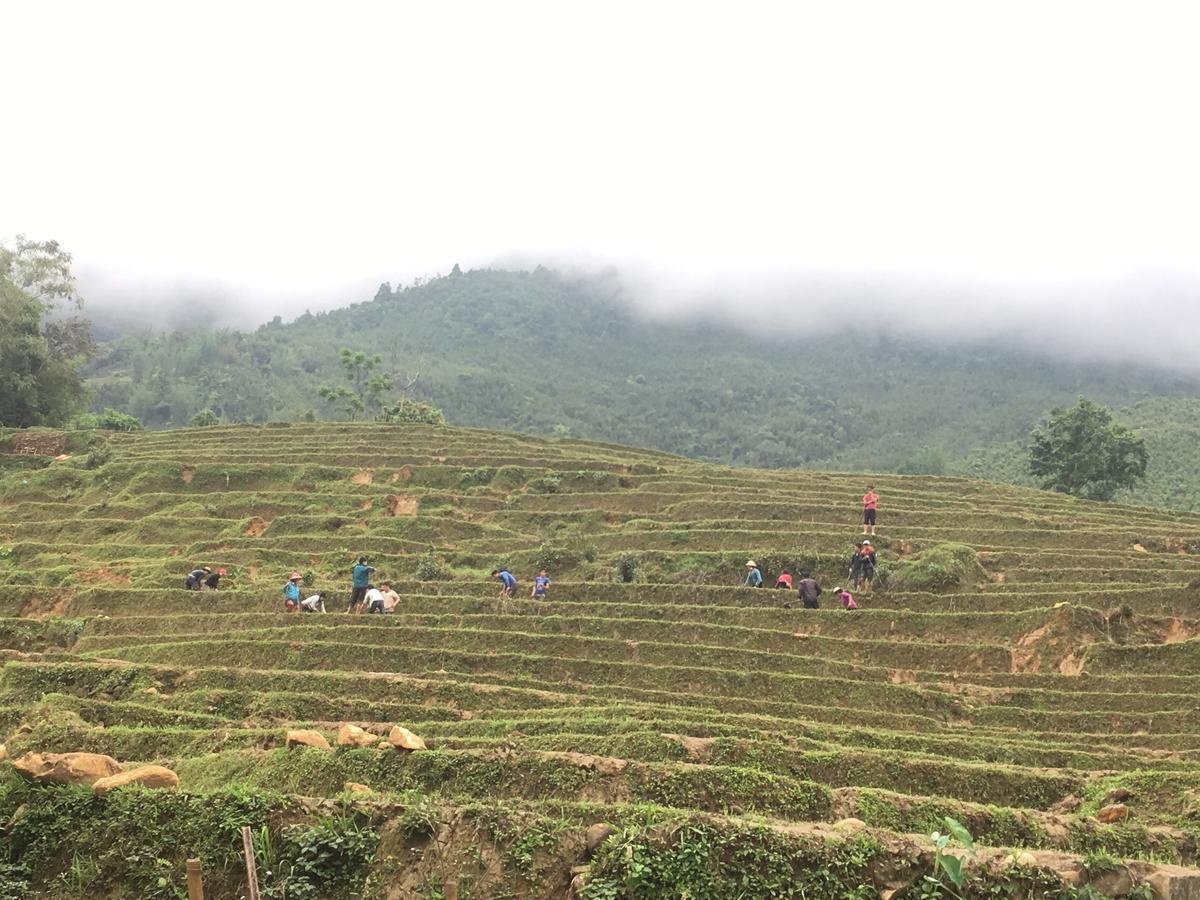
[
  {"x": 360, "y": 580},
  {"x": 753, "y": 576},
  {"x": 291, "y": 591}
]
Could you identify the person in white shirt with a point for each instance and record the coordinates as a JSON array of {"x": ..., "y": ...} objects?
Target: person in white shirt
[
  {"x": 374, "y": 599},
  {"x": 315, "y": 603}
]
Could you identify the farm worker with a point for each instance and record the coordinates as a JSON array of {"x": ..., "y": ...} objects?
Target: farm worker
[
  {"x": 862, "y": 564},
  {"x": 540, "y": 584},
  {"x": 359, "y": 581},
  {"x": 784, "y": 580},
  {"x": 810, "y": 591},
  {"x": 196, "y": 577},
  {"x": 213, "y": 581},
  {"x": 870, "y": 503},
  {"x": 291, "y": 591},
  {"x": 315, "y": 603},
  {"x": 390, "y": 597},
  {"x": 508, "y": 584},
  {"x": 374, "y": 598},
  {"x": 753, "y": 576},
  {"x": 845, "y": 598}
]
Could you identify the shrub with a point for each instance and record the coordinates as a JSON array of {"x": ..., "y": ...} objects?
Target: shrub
[
  {"x": 410, "y": 412},
  {"x": 551, "y": 558},
  {"x": 626, "y": 567},
  {"x": 547, "y": 485},
  {"x": 97, "y": 456},
  {"x": 325, "y": 860},
  {"x": 430, "y": 569},
  {"x": 109, "y": 420},
  {"x": 475, "y": 477},
  {"x": 205, "y": 418},
  {"x": 940, "y": 568},
  {"x": 590, "y": 552}
]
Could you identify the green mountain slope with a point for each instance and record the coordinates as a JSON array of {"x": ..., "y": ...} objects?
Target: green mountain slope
[{"x": 543, "y": 353}]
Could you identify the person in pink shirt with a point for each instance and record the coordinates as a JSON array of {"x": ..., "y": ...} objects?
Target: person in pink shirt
[
  {"x": 870, "y": 504},
  {"x": 845, "y": 598}
]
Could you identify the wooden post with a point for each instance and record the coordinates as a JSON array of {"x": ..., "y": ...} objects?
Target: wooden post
[
  {"x": 251, "y": 869},
  {"x": 195, "y": 885}
]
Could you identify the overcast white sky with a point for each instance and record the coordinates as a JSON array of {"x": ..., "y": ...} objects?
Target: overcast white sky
[{"x": 1003, "y": 149}]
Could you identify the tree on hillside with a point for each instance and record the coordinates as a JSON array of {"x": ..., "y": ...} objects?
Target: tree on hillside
[
  {"x": 1081, "y": 451},
  {"x": 366, "y": 384},
  {"x": 41, "y": 344}
]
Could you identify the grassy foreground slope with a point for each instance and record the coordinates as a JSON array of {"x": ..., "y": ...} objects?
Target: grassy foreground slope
[{"x": 1025, "y": 660}]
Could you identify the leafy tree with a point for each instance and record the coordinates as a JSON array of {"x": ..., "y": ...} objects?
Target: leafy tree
[
  {"x": 1081, "y": 451},
  {"x": 39, "y": 355},
  {"x": 204, "y": 418},
  {"x": 366, "y": 384},
  {"x": 926, "y": 461}
]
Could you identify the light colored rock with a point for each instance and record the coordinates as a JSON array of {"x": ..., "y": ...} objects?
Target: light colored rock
[
  {"x": 1114, "y": 812},
  {"x": 3, "y": 751},
  {"x": 403, "y": 739},
  {"x": 597, "y": 834},
  {"x": 1114, "y": 884},
  {"x": 304, "y": 737},
  {"x": 354, "y": 787},
  {"x": 353, "y": 736},
  {"x": 849, "y": 826},
  {"x": 384, "y": 745},
  {"x": 1070, "y": 871},
  {"x": 66, "y": 768},
  {"x": 1116, "y": 795},
  {"x": 1067, "y": 804},
  {"x": 147, "y": 776},
  {"x": 1025, "y": 858}
]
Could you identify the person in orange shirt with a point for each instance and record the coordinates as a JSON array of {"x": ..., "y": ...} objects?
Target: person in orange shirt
[{"x": 870, "y": 503}]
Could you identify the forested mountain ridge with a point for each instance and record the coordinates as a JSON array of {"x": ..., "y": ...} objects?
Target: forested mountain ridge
[{"x": 546, "y": 353}]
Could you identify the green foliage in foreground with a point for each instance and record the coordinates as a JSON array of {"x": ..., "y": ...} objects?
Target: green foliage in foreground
[
  {"x": 700, "y": 860},
  {"x": 543, "y": 353}
]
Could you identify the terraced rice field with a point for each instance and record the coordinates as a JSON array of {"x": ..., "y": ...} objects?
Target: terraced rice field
[{"x": 1024, "y": 660}]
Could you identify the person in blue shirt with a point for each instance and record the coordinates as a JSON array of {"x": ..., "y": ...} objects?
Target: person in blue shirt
[
  {"x": 540, "y": 584},
  {"x": 359, "y": 582},
  {"x": 753, "y": 576},
  {"x": 291, "y": 592},
  {"x": 508, "y": 584}
]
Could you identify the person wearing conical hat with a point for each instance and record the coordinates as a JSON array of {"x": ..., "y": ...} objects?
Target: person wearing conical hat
[
  {"x": 291, "y": 592},
  {"x": 753, "y": 576}
]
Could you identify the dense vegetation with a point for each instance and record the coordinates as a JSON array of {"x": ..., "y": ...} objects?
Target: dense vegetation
[
  {"x": 41, "y": 342},
  {"x": 1023, "y": 658},
  {"x": 543, "y": 353}
]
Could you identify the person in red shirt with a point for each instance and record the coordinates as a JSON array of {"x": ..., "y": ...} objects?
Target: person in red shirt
[
  {"x": 784, "y": 580},
  {"x": 870, "y": 502}
]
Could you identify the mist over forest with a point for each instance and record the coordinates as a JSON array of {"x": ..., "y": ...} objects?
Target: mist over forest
[
  {"x": 1148, "y": 318},
  {"x": 565, "y": 353}
]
